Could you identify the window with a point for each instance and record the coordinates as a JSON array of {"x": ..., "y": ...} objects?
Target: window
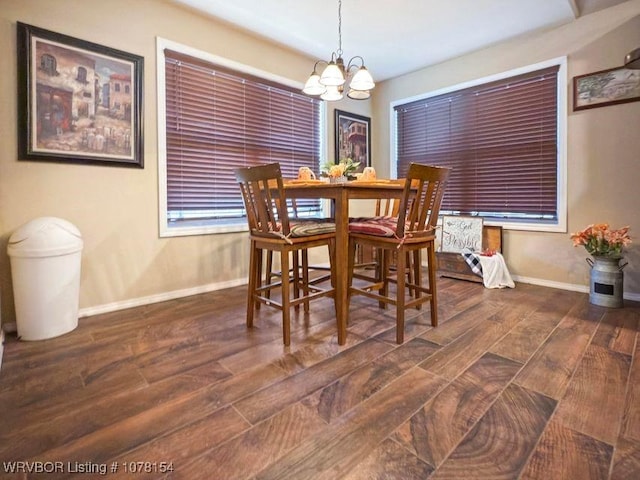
[
  {"x": 82, "y": 75},
  {"x": 49, "y": 65},
  {"x": 219, "y": 119},
  {"x": 503, "y": 139}
]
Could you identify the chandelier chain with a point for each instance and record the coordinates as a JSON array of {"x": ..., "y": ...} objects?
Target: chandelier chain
[{"x": 339, "y": 52}]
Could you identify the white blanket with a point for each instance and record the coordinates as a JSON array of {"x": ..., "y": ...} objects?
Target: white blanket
[{"x": 495, "y": 273}]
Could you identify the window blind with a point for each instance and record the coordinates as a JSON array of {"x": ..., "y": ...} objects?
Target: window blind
[
  {"x": 218, "y": 120},
  {"x": 500, "y": 138}
]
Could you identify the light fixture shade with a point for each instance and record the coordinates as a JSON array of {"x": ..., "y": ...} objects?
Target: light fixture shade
[
  {"x": 332, "y": 76},
  {"x": 362, "y": 80},
  {"x": 632, "y": 60},
  {"x": 358, "y": 94},
  {"x": 332, "y": 94},
  {"x": 313, "y": 85}
]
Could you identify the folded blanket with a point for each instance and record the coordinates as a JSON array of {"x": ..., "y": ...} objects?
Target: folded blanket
[
  {"x": 493, "y": 269},
  {"x": 473, "y": 260}
]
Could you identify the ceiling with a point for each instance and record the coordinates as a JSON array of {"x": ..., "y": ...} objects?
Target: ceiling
[{"x": 394, "y": 36}]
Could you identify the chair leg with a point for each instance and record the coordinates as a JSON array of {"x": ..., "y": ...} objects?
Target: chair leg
[
  {"x": 417, "y": 274},
  {"x": 295, "y": 271},
  {"x": 400, "y": 295},
  {"x": 268, "y": 273},
  {"x": 305, "y": 277},
  {"x": 378, "y": 259},
  {"x": 410, "y": 273},
  {"x": 253, "y": 281},
  {"x": 258, "y": 273},
  {"x": 352, "y": 261},
  {"x": 332, "y": 260},
  {"x": 385, "y": 266},
  {"x": 332, "y": 267},
  {"x": 286, "y": 302},
  {"x": 431, "y": 255}
]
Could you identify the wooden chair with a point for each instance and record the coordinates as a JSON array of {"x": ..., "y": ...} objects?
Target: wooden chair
[
  {"x": 300, "y": 262},
  {"x": 386, "y": 207},
  {"x": 411, "y": 230},
  {"x": 271, "y": 231}
]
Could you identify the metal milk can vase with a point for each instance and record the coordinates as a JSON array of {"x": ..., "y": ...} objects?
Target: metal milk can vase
[{"x": 606, "y": 284}]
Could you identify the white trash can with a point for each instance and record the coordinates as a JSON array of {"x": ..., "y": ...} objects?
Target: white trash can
[{"x": 45, "y": 268}]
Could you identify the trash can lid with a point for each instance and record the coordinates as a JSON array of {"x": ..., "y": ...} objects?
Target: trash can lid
[{"x": 44, "y": 237}]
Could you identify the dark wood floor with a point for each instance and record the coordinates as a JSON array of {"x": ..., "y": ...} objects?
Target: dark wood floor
[{"x": 525, "y": 383}]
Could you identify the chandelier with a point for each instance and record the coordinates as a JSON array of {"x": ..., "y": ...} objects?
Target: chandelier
[{"x": 330, "y": 84}]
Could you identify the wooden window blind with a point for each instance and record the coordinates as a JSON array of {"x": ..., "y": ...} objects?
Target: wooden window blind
[
  {"x": 501, "y": 140},
  {"x": 218, "y": 120}
]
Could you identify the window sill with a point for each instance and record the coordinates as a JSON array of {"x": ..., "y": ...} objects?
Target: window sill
[{"x": 187, "y": 228}]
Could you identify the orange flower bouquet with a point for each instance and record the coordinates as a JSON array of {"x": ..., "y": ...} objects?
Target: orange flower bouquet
[
  {"x": 599, "y": 240},
  {"x": 345, "y": 168}
]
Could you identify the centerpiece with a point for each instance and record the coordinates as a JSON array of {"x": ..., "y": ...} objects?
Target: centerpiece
[
  {"x": 605, "y": 245},
  {"x": 340, "y": 172}
]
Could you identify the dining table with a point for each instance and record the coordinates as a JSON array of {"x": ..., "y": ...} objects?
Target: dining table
[{"x": 340, "y": 194}]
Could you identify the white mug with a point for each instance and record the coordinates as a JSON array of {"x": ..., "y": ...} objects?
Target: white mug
[
  {"x": 305, "y": 173},
  {"x": 369, "y": 173}
]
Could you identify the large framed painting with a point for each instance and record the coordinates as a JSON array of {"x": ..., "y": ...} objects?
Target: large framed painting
[
  {"x": 79, "y": 102},
  {"x": 607, "y": 87},
  {"x": 353, "y": 138}
]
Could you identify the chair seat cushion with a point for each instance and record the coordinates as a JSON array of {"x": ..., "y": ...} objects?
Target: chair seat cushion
[
  {"x": 306, "y": 228},
  {"x": 383, "y": 226}
]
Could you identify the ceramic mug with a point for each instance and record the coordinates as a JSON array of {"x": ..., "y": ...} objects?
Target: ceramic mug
[
  {"x": 305, "y": 173},
  {"x": 369, "y": 173}
]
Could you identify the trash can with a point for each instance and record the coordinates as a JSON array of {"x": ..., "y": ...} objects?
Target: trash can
[{"x": 45, "y": 268}]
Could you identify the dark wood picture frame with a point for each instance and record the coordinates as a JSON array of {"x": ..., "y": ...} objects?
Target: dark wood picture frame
[
  {"x": 606, "y": 87},
  {"x": 353, "y": 138},
  {"x": 78, "y": 102}
]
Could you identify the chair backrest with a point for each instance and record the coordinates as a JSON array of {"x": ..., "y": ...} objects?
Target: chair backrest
[
  {"x": 263, "y": 195},
  {"x": 387, "y": 207},
  {"x": 421, "y": 199}
]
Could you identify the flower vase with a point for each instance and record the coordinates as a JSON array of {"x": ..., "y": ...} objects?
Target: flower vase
[
  {"x": 606, "y": 283},
  {"x": 340, "y": 179}
]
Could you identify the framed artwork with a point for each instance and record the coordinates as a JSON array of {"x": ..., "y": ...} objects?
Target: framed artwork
[
  {"x": 607, "y": 87},
  {"x": 353, "y": 138},
  {"x": 460, "y": 232},
  {"x": 78, "y": 102}
]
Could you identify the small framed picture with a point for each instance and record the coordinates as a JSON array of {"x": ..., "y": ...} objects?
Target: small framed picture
[
  {"x": 607, "y": 87},
  {"x": 78, "y": 101},
  {"x": 353, "y": 138}
]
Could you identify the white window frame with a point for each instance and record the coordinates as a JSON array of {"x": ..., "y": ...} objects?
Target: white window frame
[{"x": 562, "y": 95}]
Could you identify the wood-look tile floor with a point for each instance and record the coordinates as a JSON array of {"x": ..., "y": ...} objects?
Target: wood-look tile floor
[{"x": 514, "y": 384}]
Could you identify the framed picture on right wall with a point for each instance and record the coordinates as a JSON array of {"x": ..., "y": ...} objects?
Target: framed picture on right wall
[{"x": 606, "y": 87}]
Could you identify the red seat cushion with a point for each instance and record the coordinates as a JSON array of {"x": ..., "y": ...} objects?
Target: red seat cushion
[{"x": 384, "y": 226}]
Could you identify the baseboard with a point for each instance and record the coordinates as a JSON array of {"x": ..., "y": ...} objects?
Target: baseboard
[
  {"x": 568, "y": 286},
  {"x": 160, "y": 297}
]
